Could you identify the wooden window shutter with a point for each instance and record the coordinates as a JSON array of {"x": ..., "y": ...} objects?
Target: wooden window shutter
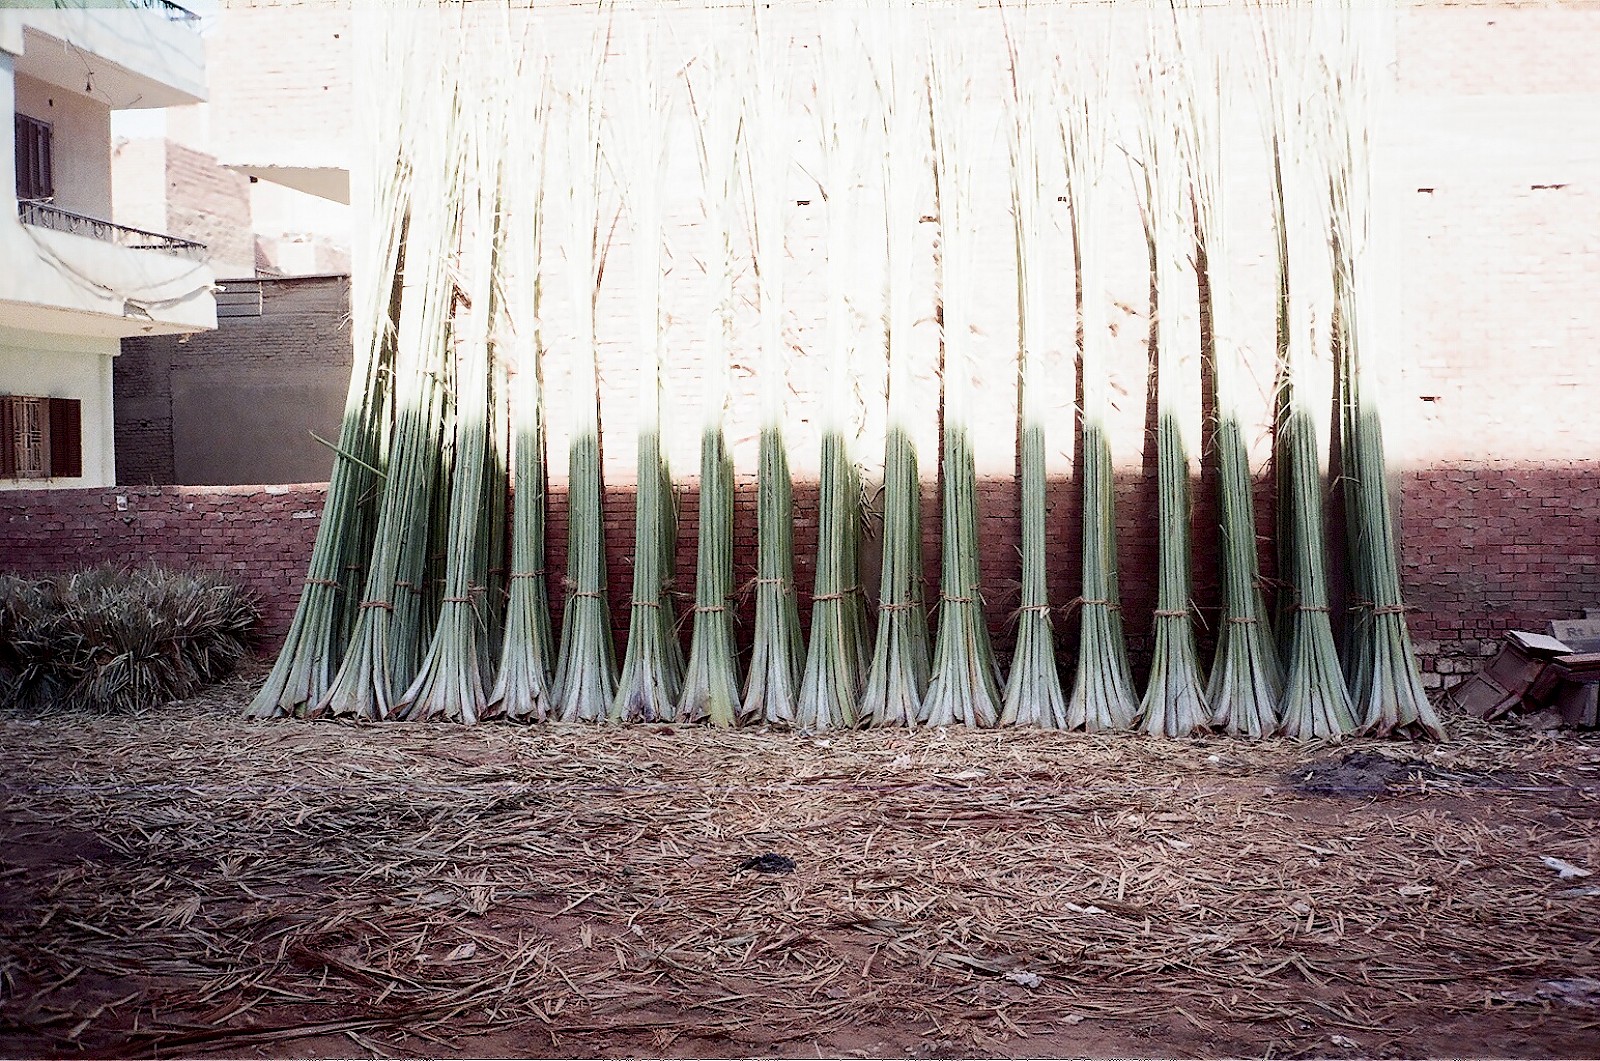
[
  {"x": 8, "y": 438},
  {"x": 66, "y": 438}
]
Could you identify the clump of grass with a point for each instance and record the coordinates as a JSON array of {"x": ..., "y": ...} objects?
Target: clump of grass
[{"x": 115, "y": 640}]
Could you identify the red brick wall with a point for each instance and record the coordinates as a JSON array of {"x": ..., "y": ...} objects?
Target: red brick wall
[
  {"x": 1487, "y": 549},
  {"x": 259, "y": 535}
]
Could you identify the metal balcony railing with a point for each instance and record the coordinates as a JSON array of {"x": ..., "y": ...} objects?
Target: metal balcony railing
[{"x": 48, "y": 215}]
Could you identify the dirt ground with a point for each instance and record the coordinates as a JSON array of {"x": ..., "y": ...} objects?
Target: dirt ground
[{"x": 188, "y": 883}]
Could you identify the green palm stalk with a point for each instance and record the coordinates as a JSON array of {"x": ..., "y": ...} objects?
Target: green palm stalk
[
  {"x": 1247, "y": 674},
  {"x": 652, "y": 667},
  {"x": 777, "y": 653},
  {"x": 962, "y": 687},
  {"x": 450, "y": 684},
  {"x": 711, "y": 683},
  {"x": 831, "y": 683},
  {"x": 523, "y": 689},
  {"x": 1386, "y": 686},
  {"x": 1316, "y": 703},
  {"x": 586, "y": 673},
  {"x": 324, "y": 616},
  {"x": 898, "y": 676},
  {"x": 1102, "y": 696},
  {"x": 1033, "y": 694},
  {"x": 384, "y": 648},
  {"x": 1174, "y": 703}
]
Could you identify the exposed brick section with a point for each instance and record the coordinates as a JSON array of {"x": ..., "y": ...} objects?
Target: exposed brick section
[
  {"x": 258, "y": 535},
  {"x": 236, "y": 405},
  {"x": 1487, "y": 549}
]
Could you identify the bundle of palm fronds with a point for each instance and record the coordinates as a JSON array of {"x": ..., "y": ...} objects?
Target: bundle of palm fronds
[
  {"x": 1174, "y": 703},
  {"x": 898, "y": 676},
  {"x": 586, "y": 675},
  {"x": 114, "y": 639},
  {"x": 1246, "y": 674},
  {"x": 522, "y": 689},
  {"x": 834, "y": 671},
  {"x": 1315, "y": 702},
  {"x": 326, "y": 612},
  {"x": 1033, "y": 694},
  {"x": 777, "y": 652},
  {"x": 384, "y": 651},
  {"x": 711, "y": 683},
  {"x": 1384, "y": 680},
  {"x": 1102, "y": 695},
  {"x": 652, "y": 666},
  {"x": 962, "y": 687},
  {"x": 450, "y": 684}
]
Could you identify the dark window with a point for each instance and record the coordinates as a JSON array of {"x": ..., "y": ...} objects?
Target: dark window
[
  {"x": 40, "y": 438},
  {"x": 35, "y": 179}
]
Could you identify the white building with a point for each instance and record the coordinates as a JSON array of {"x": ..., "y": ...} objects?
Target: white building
[{"x": 72, "y": 283}]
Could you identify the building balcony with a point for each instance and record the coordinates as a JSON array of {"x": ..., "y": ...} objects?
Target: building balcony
[
  {"x": 80, "y": 275},
  {"x": 139, "y": 54},
  {"x": 47, "y": 215}
]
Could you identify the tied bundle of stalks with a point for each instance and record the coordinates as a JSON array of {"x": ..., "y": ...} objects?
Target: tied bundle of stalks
[
  {"x": 450, "y": 683},
  {"x": 833, "y": 677},
  {"x": 326, "y": 612},
  {"x": 777, "y": 653},
  {"x": 897, "y": 678},
  {"x": 1102, "y": 695},
  {"x": 1033, "y": 695},
  {"x": 652, "y": 666},
  {"x": 1316, "y": 703},
  {"x": 1247, "y": 674},
  {"x": 1174, "y": 703},
  {"x": 522, "y": 689},
  {"x": 962, "y": 688},
  {"x": 382, "y": 658},
  {"x": 711, "y": 683},
  {"x": 1386, "y": 687},
  {"x": 586, "y": 675}
]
